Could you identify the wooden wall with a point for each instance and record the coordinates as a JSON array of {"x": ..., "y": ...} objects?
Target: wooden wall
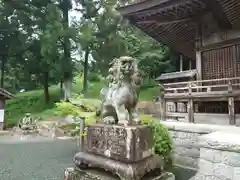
[
  {"x": 219, "y": 63},
  {"x": 220, "y": 55}
]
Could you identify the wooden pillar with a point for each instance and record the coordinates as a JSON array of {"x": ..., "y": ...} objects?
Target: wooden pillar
[
  {"x": 198, "y": 45},
  {"x": 190, "y": 107},
  {"x": 163, "y": 109},
  {"x": 181, "y": 63},
  {"x": 199, "y": 65},
  {"x": 176, "y": 106},
  {"x": 231, "y": 109},
  {"x": 190, "y": 64},
  {"x": 163, "y": 106}
]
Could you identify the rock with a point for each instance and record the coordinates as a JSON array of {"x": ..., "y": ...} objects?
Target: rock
[{"x": 69, "y": 119}]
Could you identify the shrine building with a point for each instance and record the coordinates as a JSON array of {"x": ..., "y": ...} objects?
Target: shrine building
[{"x": 206, "y": 34}]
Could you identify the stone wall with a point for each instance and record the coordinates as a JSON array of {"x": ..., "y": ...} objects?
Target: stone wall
[
  {"x": 219, "y": 156},
  {"x": 185, "y": 140}
]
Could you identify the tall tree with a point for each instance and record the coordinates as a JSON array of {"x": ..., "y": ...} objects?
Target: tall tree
[
  {"x": 65, "y": 6},
  {"x": 87, "y": 32}
]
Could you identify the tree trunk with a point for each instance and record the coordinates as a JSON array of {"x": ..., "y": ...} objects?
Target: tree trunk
[
  {"x": 67, "y": 86},
  {"x": 67, "y": 64},
  {"x": 45, "y": 86},
  {"x": 2, "y": 71},
  {"x": 85, "y": 75},
  {"x": 61, "y": 87}
]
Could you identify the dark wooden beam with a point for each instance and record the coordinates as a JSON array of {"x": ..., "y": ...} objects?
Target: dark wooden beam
[
  {"x": 163, "y": 23},
  {"x": 145, "y": 5},
  {"x": 202, "y": 95},
  {"x": 218, "y": 14}
]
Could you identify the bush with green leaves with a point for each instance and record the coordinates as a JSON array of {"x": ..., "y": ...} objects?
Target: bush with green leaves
[
  {"x": 162, "y": 139},
  {"x": 64, "y": 109},
  {"x": 94, "y": 77}
]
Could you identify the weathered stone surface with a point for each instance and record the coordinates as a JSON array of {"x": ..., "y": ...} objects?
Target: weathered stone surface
[
  {"x": 219, "y": 151},
  {"x": 186, "y": 135},
  {"x": 198, "y": 176},
  {"x": 198, "y": 128},
  {"x": 226, "y": 141},
  {"x": 185, "y": 161},
  {"x": 185, "y": 142},
  {"x": 206, "y": 167},
  {"x": 186, "y": 151},
  {"x": 210, "y": 155},
  {"x": 128, "y": 144},
  {"x": 212, "y": 178},
  {"x": 78, "y": 174},
  {"x": 220, "y": 156},
  {"x": 236, "y": 173},
  {"x": 185, "y": 148},
  {"x": 222, "y": 171},
  {"x": 230, "y": 158},
  {"x": 127, "y": 171}
]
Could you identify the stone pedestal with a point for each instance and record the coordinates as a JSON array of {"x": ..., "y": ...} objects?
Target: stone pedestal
[
  {"x": 78, "y": 174},
  {"x": 125, "y": 151}
]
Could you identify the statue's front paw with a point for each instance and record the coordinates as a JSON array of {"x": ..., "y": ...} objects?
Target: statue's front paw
[
  {"x": 123, "y": 122},
  {"x": 109, "y": 120}
]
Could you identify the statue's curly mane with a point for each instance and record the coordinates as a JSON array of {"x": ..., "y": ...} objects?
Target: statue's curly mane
[{"x": 118, "y": 72}]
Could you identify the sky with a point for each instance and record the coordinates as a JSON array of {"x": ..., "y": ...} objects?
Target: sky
[{"x": 76, "y": 15}]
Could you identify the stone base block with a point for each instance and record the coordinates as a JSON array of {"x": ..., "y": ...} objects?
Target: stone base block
[
  {"x": 126, "y": 171},
  {"x": 127, "y": 144},
  {"x": 93, "y": 174}
]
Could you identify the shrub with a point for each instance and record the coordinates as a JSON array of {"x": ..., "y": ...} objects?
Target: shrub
[
  {"x": 93, "y": 77},
  {"x": 84, "y": 111},
  {"x": 162, "y": 138}
]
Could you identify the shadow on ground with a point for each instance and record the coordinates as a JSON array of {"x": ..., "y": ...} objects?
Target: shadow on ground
[{"x": 182, "y": 173}]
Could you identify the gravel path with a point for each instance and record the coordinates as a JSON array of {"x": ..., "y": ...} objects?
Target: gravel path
[{"x": 35, "y": 159}]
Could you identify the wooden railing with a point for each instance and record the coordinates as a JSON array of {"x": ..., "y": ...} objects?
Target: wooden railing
[
  {"x": 203, "y": 85},
  {"x": 216, "y": 89}
]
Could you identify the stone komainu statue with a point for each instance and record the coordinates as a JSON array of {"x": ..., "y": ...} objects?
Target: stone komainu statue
[{"x": 121, "y": 97}]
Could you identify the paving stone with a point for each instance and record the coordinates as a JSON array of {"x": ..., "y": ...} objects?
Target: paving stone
[
  {"x": 211, "y": 155},
  {"x": 236, "y": 173},
  {"x": 206, "y": 167},
  {"x": 222, "y": 171},
  {"x": 230, "y": 158},
  {"x": 43, "y": 159}
]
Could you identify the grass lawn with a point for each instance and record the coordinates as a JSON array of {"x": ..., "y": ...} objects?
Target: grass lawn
[{"x": 33, "y": 101}]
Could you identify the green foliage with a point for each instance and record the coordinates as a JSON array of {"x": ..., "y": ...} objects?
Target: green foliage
[
  {"x": 29, "y": 102},
  {"x": 162, "y": 138},
  {"x": 149, "y": 93},
  {"x": 148, "y": 83},
  {"x": 33, "y": 101},
  {"x": 85, "y": 110},
  {"x": 93, "y": 77}
]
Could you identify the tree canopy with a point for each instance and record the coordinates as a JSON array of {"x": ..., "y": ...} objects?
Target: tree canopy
[{"x": 38, "y": 42}]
